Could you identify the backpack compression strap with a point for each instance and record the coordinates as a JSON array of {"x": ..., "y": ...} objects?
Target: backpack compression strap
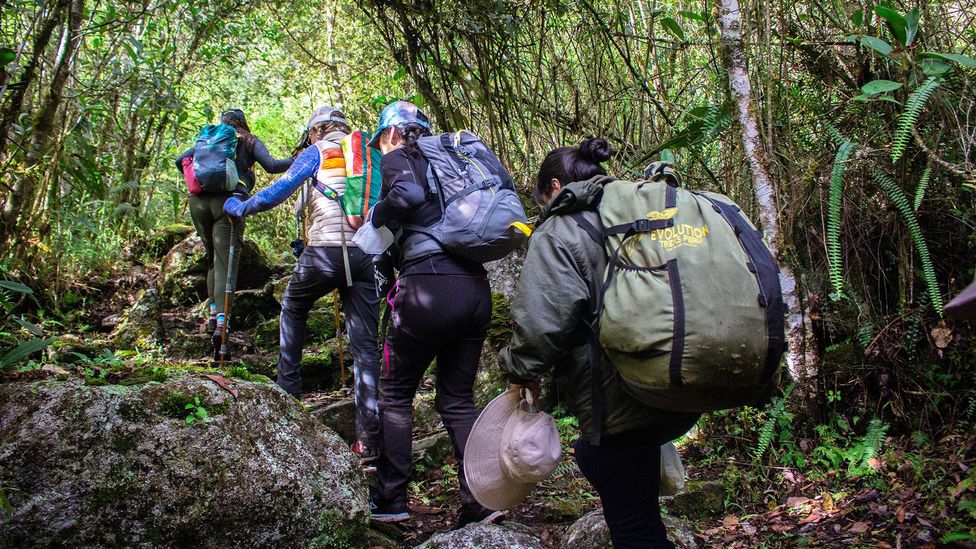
[{"x": 762, "y": 264}]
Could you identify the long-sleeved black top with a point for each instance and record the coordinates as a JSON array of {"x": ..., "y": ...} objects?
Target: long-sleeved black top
[{"x": 404, "y": 200}]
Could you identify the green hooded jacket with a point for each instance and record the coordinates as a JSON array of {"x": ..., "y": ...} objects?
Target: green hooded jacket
[{"x": 554, "y": 300}]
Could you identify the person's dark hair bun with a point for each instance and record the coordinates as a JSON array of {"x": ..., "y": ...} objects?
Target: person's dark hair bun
[{"x": 595, "y": 149}]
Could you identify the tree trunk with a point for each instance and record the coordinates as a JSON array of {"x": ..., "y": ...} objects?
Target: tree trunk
[
  {"x": 41, "y": 40},
  {"x": 14, "y": 221},
  {"x": 802, "y": 354}
]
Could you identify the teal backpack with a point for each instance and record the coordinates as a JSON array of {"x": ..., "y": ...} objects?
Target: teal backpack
[{"x": 213, "y": 158}]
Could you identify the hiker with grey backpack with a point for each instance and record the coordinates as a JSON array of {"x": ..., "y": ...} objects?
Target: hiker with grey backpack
[
  {"x": 219, "y": 165},
  {"x": 452, "y": 206},
  {"x": 651, "y": 304}
]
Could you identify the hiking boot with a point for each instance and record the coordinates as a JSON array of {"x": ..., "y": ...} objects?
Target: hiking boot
[
  {"x": 212, "y": 324},
  {"x": 388, "y": 512},
  {"x": 475, "y": 513},
  {"x": 367, "y": 456},
  {"x": 216, "y": 340}
]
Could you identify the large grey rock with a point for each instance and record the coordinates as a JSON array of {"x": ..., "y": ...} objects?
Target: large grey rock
[
  {"x": 508, "y": 535},
  {"x": 120, "y": 466},
  {"x": 591, "y": 532},
  {"x": 700, "y": 499},
  {"x": 183, "y": 280},
  {"x": 503, "y": 274}
]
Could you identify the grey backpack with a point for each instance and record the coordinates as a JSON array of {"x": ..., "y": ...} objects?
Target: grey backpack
[{"x": 482, "y": 217}]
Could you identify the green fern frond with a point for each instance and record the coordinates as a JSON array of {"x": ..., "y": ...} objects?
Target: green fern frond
[
  {"x": 923, "y": 182},
  {"x": 834, "y": 256},
  {"x": 909, "y": 118},
  {"x": 904, "y": 207},
  {"x": 873, "y": 438},
  {"x": 722, "y": 120},
  {"x": 835, "y": 134},
  {"x": 766, "y": 434}
]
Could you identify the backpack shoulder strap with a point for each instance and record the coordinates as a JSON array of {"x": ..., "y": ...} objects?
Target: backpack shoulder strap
[{"x": 589, "y": 228}]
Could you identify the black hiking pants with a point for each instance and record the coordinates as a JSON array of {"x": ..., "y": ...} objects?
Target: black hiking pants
[
  {"x": 318, "y": 272},
  {"x": 433, "y": 316},
  {"x": 625, "y": 469}
]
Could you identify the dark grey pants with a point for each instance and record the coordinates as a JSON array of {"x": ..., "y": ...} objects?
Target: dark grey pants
[{"x": 318, "y": 272}]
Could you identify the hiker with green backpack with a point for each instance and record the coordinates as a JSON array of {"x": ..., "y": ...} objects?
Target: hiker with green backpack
[
  {"x": 338, "y": 179},
  {"x": 221, "y": 164},
  {"x": 651, "y": 304}
]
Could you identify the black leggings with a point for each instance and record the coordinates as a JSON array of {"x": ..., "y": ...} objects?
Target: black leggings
[
  {"x": 433, "y": 316},
  {"x": 625, "y": 469}
]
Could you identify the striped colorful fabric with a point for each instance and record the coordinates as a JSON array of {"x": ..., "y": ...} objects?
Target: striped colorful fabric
[{"x": 363, "y": 179}]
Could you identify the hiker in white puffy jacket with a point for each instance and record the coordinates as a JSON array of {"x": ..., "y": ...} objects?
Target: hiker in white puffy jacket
[{"x": 321, "y": 269}]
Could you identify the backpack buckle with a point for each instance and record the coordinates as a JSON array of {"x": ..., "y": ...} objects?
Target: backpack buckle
[{"x": 643, "y": 225}]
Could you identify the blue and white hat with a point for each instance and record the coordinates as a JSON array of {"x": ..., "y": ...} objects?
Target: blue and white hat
[{"x": 397, "y": 114}]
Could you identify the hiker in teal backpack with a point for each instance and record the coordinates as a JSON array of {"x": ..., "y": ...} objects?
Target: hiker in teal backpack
[
  {"x": 440, "y": 309},
  {"x": 328, "y": 261},
  {"x": 554, "y": 307},
  {"x": 207, "y": 211}
]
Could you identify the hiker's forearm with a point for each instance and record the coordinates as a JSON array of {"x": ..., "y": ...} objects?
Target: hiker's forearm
[
  {"x": 268, "y": 162},
  {"x": 304, "y": 167}
]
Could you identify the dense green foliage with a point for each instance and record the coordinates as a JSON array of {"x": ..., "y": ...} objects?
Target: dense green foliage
[{"x": 866, "y": 112}]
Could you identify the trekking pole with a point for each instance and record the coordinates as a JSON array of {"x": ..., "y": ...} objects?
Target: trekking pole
[
  {"x": 228, "y": 292},
  {"x": 338, "y": 333}
]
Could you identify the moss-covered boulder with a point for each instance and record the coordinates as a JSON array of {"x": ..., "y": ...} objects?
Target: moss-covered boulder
[
  {"x": 320, "y": 329},
  {"x": 425, "y": 417},
  {"x": 183, "y": 280},
  {"x": 509, "y": 535},
  {"x": 141, "y": 325},
  {"x": 591, "y": 532},
  {"x": 700, "y": 499},
  {"x": 154, "y": 245},
  {"x": 252, "y": 307},
  {"x": 432, "y": 451},
  {"x": 123, "y": 466}
]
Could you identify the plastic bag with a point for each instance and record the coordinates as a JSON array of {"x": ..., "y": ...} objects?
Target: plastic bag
[
  {"x": 372, "y": 240},
  {"x": 672, "y": 471}
]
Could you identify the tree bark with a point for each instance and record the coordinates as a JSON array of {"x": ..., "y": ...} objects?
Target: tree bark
[
  {"x": 14, "y": 217},
  {"x": 41, "y": 40},
  {"x": 801, "y": 356}
]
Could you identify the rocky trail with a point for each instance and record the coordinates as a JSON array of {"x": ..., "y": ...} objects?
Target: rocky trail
[{"x": 119, "y": 437}]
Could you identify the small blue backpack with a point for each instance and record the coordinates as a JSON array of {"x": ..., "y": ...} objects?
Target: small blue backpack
[{"x": 213, "y": 158}]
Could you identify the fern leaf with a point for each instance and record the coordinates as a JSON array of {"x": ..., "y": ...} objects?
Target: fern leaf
[
  {"x": 766, "y": 434},
  {"x": 835, "y": 134},
  {"x": 920, "y": 190},
  {"x": 909, "y": 118},
  {"x": 834, "y": 256},
  {"x": 904, "y": 207}
]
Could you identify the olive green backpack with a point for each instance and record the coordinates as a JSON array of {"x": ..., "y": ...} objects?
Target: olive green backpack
[{"x": 692, "y": 314}]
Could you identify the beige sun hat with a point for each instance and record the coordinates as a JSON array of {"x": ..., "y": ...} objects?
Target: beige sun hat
[{"x": 511, "y": 448}]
